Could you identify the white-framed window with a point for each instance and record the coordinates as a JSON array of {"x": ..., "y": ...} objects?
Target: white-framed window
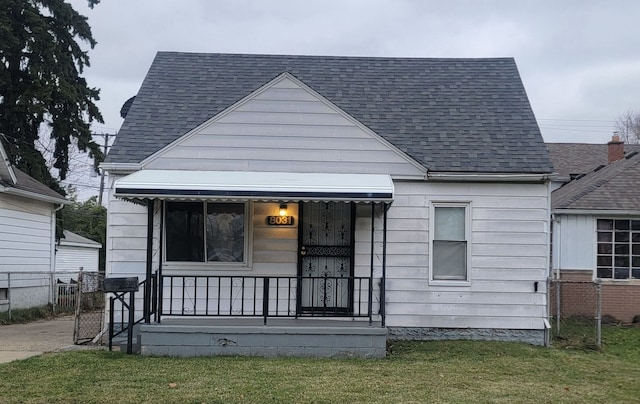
[
  {"x": 618, "y": 253},
  {"x": 449, "y": 232},
  {"x": 206, "y": 232}
]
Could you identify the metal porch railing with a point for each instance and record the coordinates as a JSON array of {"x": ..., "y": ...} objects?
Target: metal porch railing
[{"x": 266, "y": 297}]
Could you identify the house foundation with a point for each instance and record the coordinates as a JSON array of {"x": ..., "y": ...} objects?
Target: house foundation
[{"x": 248, "y": 337}]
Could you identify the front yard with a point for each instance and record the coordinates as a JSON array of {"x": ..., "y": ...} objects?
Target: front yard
[{"x": 451, "y": 371}]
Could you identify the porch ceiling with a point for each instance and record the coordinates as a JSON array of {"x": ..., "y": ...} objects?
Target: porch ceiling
[{"x": 248, "y": 185}]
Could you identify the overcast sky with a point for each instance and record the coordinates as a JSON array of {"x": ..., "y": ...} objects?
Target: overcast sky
[{"x": 579, "y": 59}]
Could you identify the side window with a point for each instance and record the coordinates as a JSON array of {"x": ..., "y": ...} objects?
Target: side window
[
  {"x": 449, "y": 244},
  {"x": 205, "y": 232},
  {"x": 618, "y": 253}
]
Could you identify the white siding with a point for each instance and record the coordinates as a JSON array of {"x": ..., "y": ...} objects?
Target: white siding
[
  {"x": 509, "y": 253},
  {"x": 71, "y": 258},
  {"x": 574, "y": 242},
  {"x": 126, "y": 242},
  {"x": 25, "y": 235},
  {"x": 285, "y": 128}
]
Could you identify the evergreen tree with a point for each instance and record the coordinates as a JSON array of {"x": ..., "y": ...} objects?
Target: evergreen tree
[{"x": 41, "y": 87}]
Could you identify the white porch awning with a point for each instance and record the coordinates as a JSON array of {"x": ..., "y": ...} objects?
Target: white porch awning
[{"x": 246, "y": 185}]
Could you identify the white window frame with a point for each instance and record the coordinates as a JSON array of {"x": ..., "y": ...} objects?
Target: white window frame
[
  {"x": 467, "y": 234},
  {"x": 209, "y": 265}
]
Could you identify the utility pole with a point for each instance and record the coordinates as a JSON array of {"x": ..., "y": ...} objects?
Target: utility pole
[{"x": 106, "y": 148}]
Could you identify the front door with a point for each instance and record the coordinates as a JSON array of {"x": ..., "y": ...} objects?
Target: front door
[{"x": 326, "y": 238}]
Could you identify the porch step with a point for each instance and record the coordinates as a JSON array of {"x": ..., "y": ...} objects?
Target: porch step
[
  {"x": 285, "y": 338},
  {"x": 121, "y": 340}
]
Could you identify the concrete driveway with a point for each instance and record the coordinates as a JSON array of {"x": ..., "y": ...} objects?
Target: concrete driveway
[{"x": 20, "y": 341}]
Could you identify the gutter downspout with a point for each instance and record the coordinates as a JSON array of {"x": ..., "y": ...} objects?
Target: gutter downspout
[{"x": 550, "y": 240}]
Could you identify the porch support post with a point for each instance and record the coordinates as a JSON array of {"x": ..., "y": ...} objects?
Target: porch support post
[
  {"x": 147, "y": 284},
  {"x": 383, "y": 281},
  {"x": 370, "y": 304},
  {"x": 157, "y": 297}
]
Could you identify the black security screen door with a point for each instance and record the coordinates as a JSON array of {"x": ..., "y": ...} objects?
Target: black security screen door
[{"x": 326, "y": 238}]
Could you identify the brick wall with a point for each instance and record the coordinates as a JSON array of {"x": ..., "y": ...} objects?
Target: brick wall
[
  {"x": 578, "y": 297},
  {"x": 621, "y": 301}
]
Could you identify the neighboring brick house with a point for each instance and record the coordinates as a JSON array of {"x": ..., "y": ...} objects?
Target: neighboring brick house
[{"x": 596, "y": 222}]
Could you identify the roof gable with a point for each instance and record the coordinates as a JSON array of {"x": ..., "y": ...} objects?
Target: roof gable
[
  {"x": 284, "y": 120},
  {"x": 612, "y": 187},
  {"x": 461, "y": 115}
]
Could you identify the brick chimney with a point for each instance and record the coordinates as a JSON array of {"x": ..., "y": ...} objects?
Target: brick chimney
[{"x": 615, "y": 149}]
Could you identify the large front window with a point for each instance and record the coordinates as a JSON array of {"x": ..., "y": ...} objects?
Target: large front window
[
  {"x": 449, "y": 242},
  {"x": 205, "y": 232},
  {"x": 618, "y": 249}
]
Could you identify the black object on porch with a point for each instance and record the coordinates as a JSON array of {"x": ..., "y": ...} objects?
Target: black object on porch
[{"x": 121, "y": 288}]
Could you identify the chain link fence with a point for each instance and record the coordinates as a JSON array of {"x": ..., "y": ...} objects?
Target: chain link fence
[
  {"x": 48, "y": 291},
  {"x": 575, "y": 310},
  {"x": 90, "y": 303},
  {"x": 35, "y": 294}
]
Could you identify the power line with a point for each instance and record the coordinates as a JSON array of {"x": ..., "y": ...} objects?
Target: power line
[{"x": 576, "y": 120}]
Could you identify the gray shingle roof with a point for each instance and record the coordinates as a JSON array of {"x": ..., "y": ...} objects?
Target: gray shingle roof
[
  {"x": 580, "y": 158},
  {"x": 26, "y": 183},
  {"x": 463, "y": 115},
  {"x": 71, "y": 237},
  {"x": 613, "y": 187}
]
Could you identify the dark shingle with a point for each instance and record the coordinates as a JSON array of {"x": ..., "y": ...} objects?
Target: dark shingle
[
  {"x": 26, "y": 183},
  {"x": 572, "y": 159},
  {"x": 613, "y": 187},
  {"x": 466, "y": 115}
]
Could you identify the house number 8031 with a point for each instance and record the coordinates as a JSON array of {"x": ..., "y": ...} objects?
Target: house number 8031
[{"x": 280, "y": 220}]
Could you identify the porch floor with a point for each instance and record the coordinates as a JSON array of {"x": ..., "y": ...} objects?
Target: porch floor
[{"x": 315, "y": 337}]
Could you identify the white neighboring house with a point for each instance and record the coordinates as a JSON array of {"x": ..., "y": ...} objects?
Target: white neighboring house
[
  {"x": 73, "y": 253},
  {"x": 27, "y": 238},
  {"x": 407, "y": 193}
]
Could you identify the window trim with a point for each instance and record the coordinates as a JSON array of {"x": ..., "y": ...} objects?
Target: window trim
[
  {"x": 467, "y": 234},
  {"x": 217, "y": 265}
]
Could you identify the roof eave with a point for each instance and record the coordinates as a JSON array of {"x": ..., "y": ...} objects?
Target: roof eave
[
  {"x": 34, "y": 195},
  {"x": 489, "y": 177},
  {"x": 97, "y": 246},
  {"x": 121, "y": 168},
  {"x": 596, "y": 212}
]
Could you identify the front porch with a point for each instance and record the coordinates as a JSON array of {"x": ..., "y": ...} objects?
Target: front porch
[
  {"x": 263, "y": 316},
  {"x": 316, "y": 337},
  {"x": 294, "y": 265}
]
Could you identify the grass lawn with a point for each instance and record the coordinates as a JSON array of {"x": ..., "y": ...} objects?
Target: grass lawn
[{"x": 440, "y": 371}]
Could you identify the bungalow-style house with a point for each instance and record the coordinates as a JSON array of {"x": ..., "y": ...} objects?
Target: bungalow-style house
[
  {"x": 27, "y": 238},
  {"x": 596, "y": 225},
  {"x": 73, "y": 253},
  {"x": 315, "y": 205}
]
